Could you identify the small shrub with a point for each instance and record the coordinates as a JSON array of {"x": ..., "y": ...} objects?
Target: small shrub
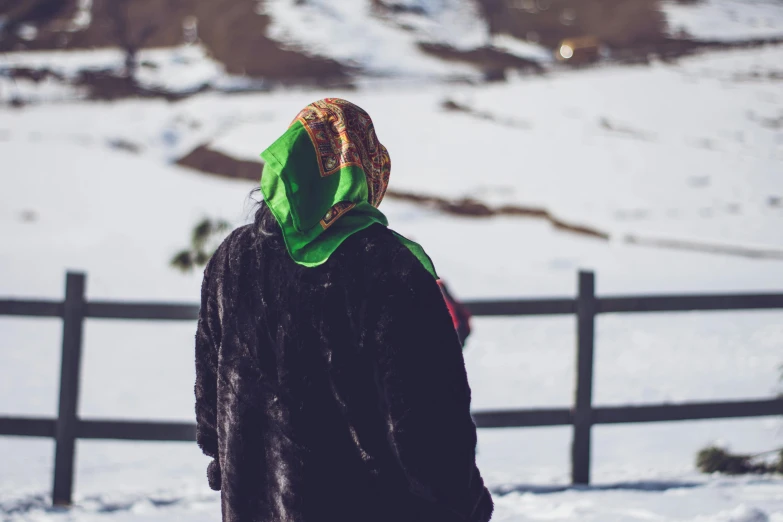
[
  {"x": 203, "y": 243},
  {"x": 183, "y": 261},
  {"x": 717, "y": 460},
  {"x": 714, "y": 459}
]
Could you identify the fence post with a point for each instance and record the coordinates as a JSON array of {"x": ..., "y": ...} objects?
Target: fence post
[
  {"x": 585, "y": 312},
  {"x": 65, "y": 433}
]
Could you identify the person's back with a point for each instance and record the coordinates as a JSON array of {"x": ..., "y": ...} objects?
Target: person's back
[{"x": 334, "y": 392}]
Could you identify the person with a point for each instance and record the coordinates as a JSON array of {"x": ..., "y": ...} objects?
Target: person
[{"x": 330, "y": 382}]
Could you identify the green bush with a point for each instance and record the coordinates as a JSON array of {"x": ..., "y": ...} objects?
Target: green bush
[
  {"x": 717, "y": 460},
  {"x": 203, "y": 242},
  {"x": 779, "y": 465}
]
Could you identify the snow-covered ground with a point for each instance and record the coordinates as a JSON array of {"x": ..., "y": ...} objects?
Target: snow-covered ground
[
  {"x": 725, "y": 19},
  {"x": 357, "y": 32},
  {"x": 689, "y": 151},
  {"x": 181, "y": 69}
]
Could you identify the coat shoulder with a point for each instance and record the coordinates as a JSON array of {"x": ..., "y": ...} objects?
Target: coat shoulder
[
  {"x": 382, "y": 250},
  {"x": 239, "y": 238}
]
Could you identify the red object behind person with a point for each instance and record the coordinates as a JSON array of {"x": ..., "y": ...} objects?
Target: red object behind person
[{"x": 459, "y": 313}]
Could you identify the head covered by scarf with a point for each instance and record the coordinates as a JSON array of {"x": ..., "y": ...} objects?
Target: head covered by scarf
[{"x": 324, "y": 179}]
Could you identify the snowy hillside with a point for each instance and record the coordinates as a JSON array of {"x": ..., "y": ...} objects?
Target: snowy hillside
[
  {"x": 726, "y": 19},
  {"x": 690, "y": 151},
  {"x": 383, "y": 39},
  {"x": 121, "y": 216},
  {"x": 357, "y": 32}
]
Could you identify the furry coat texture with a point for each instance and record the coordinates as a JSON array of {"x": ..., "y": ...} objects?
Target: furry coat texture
[{"x": 335, "y": 393}]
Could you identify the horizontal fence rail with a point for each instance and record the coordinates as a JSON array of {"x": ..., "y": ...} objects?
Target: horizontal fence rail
[
  {"x": 142, "y": 311},
  {"x": 27, "y": 427},
  {"x": 614, "y": 305},
  {"x": 631, "y": 414},
  {"x": 522, "y": 307},
  {"x": 67, "y": 427},
  {"x": 528, "y": 418},
  {"x": 688, "y": 411},
  {"x": 133, "y": 430},
  {"x": 31, "y": 308},
  {"x": 689, "y": 303}
]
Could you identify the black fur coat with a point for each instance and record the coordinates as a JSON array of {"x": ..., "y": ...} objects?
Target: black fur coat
[{"x": 336, "y": 393}]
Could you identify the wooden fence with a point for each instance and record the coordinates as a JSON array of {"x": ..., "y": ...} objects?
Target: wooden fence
[{"x": 67, "y": 427}]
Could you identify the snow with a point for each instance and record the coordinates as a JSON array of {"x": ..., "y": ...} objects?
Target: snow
[
  {"x": 27, "y": 32},
  {"x": 83, "y": 17},
  {"x": 660, "y": 165},
  {"x": 685, "y": 503},
  {"x": 523, "y": 49},
  {"x": 679, "y": 151},
  {"x": 725, "y": 19},
  {"x": 458, "y": 23},
  {"x": 384, "y": 42},
  {"x": 352, "y": 31},
  {"x": 184, "y": 68},
  {"x": 66, "y": 62},
  {"x": 178, "y": 69}
]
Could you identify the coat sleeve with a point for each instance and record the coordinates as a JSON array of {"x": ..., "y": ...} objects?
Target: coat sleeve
[
  {"x": 207, "y": 345},
  {"x": 424, "y": 392}
]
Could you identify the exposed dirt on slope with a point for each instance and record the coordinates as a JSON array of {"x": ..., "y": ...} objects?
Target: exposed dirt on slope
[
  {"x": 633, "y": 30},
  {"x": 468, "y": 207},
  {"x": 487, "y": 59},
  {"x": 210, "y": 161},
  {"x": 618, "y": 23},
  {"x": 217, "y": 163}
]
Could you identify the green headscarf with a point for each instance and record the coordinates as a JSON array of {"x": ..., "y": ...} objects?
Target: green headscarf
[{"x": 324, "y": 179}]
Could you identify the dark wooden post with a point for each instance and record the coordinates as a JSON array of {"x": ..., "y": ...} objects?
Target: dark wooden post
[
  {"x": 65, "y": 432},
  {"x": 583, "y": 412}
]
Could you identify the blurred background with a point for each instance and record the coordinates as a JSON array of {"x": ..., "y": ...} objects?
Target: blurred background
[{"x": 639, "y": 139}]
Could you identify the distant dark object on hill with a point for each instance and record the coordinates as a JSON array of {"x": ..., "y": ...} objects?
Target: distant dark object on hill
[
  {"x": 398, "y": 7},
  {"x": 124, "y": 145},
  {"x": 453, "y": 106},
  {"x": 33, "y": 75},
  {"x": 492, "y": 61}
]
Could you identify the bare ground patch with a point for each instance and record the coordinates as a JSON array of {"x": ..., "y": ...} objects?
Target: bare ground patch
[
  {"x": 492, "y": 61},
  {"x": 469, "y": 207},
  {"x": 211, "y": 161}
]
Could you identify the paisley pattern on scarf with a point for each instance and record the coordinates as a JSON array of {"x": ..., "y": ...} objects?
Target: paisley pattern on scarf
[
  {"x": 335, "y": 212},
  {"x": 344, "y": 136}
]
